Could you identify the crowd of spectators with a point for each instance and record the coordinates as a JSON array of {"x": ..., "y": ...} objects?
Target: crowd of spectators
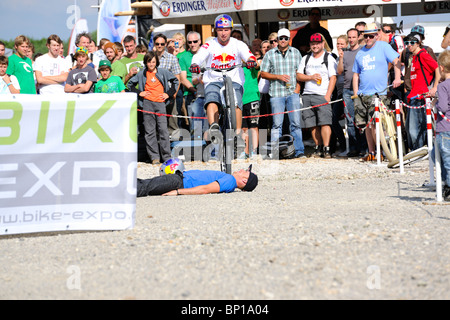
[{"x": 292, "y": 73}]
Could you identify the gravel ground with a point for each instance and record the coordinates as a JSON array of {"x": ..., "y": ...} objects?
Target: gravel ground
[{"x": 313, "y": 229}]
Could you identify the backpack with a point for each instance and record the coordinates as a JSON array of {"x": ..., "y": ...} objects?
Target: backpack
[
  {"x": 325, "y": 62},
  {"x": 423, "y": 72}
]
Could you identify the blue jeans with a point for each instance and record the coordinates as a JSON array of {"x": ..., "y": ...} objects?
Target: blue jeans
[
  {"x": 416, "y": 125},
  {"x": 354, "y": 136},
  {"x": 443, "y": 143},
  {"x": 196, "y": 109},
  {"x": 289, "y": 103}
]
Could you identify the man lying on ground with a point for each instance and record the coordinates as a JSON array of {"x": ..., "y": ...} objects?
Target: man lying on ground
[{"x": 194, "y": 182}]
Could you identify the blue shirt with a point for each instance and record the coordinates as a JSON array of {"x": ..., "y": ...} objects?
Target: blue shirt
[
  {"x": 195, "y": 178},
  {"x": 372, "y": 66}
]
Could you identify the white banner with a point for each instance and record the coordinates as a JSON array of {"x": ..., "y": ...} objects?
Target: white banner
[
  {"x": 67, "y": 162},
  {"x": 182, "y": 11}
]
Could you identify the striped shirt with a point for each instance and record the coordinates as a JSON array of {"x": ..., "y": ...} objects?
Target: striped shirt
[{"x": 275, "y": 62}]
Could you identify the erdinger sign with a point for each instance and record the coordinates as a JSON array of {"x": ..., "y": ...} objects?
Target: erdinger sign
[{"x": 67, "y": 164}]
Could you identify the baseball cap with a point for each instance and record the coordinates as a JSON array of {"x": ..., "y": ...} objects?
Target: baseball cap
[
  {"x": 316, "y": 37},
  {"x": 104, "y": 63},
  {"x": 252, "y": 181},
  {"x": 371, "y": 28},
  {"x": 284, "y": 33},
  {"x": 413, "y": 37},
  {"x": 418, "y": 29}
]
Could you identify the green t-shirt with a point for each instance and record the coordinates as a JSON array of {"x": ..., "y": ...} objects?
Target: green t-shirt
[
  {"x": 119, "y": 69},
  {"x": 185, "y": 62},
  {"x": 22, "y": 68},
  {"x": 136, "y": 62},
  {"x": 111, "y": 85},
  {"x": 251, "y": 91}
]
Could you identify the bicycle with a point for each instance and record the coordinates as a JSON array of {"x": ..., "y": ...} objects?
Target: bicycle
[
  {"x": 389, "y": 140},
  {"x": 227, "y": 138}
]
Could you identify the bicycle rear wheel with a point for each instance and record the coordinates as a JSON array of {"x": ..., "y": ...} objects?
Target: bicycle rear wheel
[
  {"x": 388, "y": 135},
  {"x": 410, "y": 158}
]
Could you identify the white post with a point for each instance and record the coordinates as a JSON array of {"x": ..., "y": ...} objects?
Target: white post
[
  {"x": 399, "y": 136},
  {"x": 430, "y": 140},
  {"x": 377, "y": 129}
]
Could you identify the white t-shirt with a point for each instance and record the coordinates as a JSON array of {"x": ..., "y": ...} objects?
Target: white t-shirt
[
  {"x": 50, "y": 66},
  {"x": 218, "y": 56},
  {"x": 316, "y": 65},
  {"x": 4, "y": 89}
]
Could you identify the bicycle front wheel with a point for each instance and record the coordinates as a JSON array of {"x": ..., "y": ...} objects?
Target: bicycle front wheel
[{"x": 230, "y": 101}]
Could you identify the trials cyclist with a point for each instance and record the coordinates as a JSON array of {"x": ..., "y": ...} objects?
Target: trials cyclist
[{"x": 221, "y": 53}]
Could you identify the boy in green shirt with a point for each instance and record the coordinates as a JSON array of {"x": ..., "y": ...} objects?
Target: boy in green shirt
[
  {"x": 108, "y": 83},
  {"x": 21, "y": 66}
]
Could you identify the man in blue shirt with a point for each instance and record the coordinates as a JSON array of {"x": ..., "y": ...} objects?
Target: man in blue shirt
[
  {"x": 194, "y": 182},
  {"x": 370, "y": 77}
]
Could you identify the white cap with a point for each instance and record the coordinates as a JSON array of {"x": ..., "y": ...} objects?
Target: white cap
[{"x": 284, "y": 32}]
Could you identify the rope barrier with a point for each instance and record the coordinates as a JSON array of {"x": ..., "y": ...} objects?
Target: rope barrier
[{"x": 297, "y": 110}]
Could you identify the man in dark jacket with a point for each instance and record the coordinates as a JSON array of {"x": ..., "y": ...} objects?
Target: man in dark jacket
[{"x": 301, "y": 40}]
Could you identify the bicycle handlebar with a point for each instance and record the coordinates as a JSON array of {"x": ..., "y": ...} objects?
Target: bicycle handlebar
[
  {"x": 242, "y": 65},
  {"x": 356, "y": 96}
]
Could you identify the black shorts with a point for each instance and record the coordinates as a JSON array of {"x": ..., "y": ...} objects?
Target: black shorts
[{"x": 250, "y": 109}]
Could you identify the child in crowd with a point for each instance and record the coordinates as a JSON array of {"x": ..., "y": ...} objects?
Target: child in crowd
[
  {"x": 108, "y": 83},
  {"x": 21, "y": 66},
  {"x": 157, "y": 87},
  {"x": 442, "y": 124},
  {"x": 8, "y": 84},
  {"x": 82, "y": 77}
]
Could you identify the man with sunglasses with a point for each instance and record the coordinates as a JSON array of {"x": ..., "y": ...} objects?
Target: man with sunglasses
[
  {"x": 424, "y": 70},
  {"x": 195, "y": 108},
  {"x": 301, "y": 40},
  {"x": 169, "y": 62},
  {"x": 370, "y": 78},
  {"x": 280, "y": 67}
]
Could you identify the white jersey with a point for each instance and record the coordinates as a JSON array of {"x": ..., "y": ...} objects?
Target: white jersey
[
  {"x": 50, "y": 66},
  {"x": 316, "y": 65},
  {"x": 217, "y": 56}
]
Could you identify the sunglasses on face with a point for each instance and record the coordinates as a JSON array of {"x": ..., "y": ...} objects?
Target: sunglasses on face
[
  {"x": 160, "y": 44},
  {"x": 272, "y": 41},
  {"x": 370, "y": 36},
  {"x": 283, "y": 38},
  {"x": 387, "y": 31},
  {"x": 191, "y": 42},
  {"x": 410, "y": 43}
]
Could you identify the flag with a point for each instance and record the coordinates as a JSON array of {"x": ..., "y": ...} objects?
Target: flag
[
  {"x": 111, "y": 27},
  {"x": 79, "y": 27}
]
